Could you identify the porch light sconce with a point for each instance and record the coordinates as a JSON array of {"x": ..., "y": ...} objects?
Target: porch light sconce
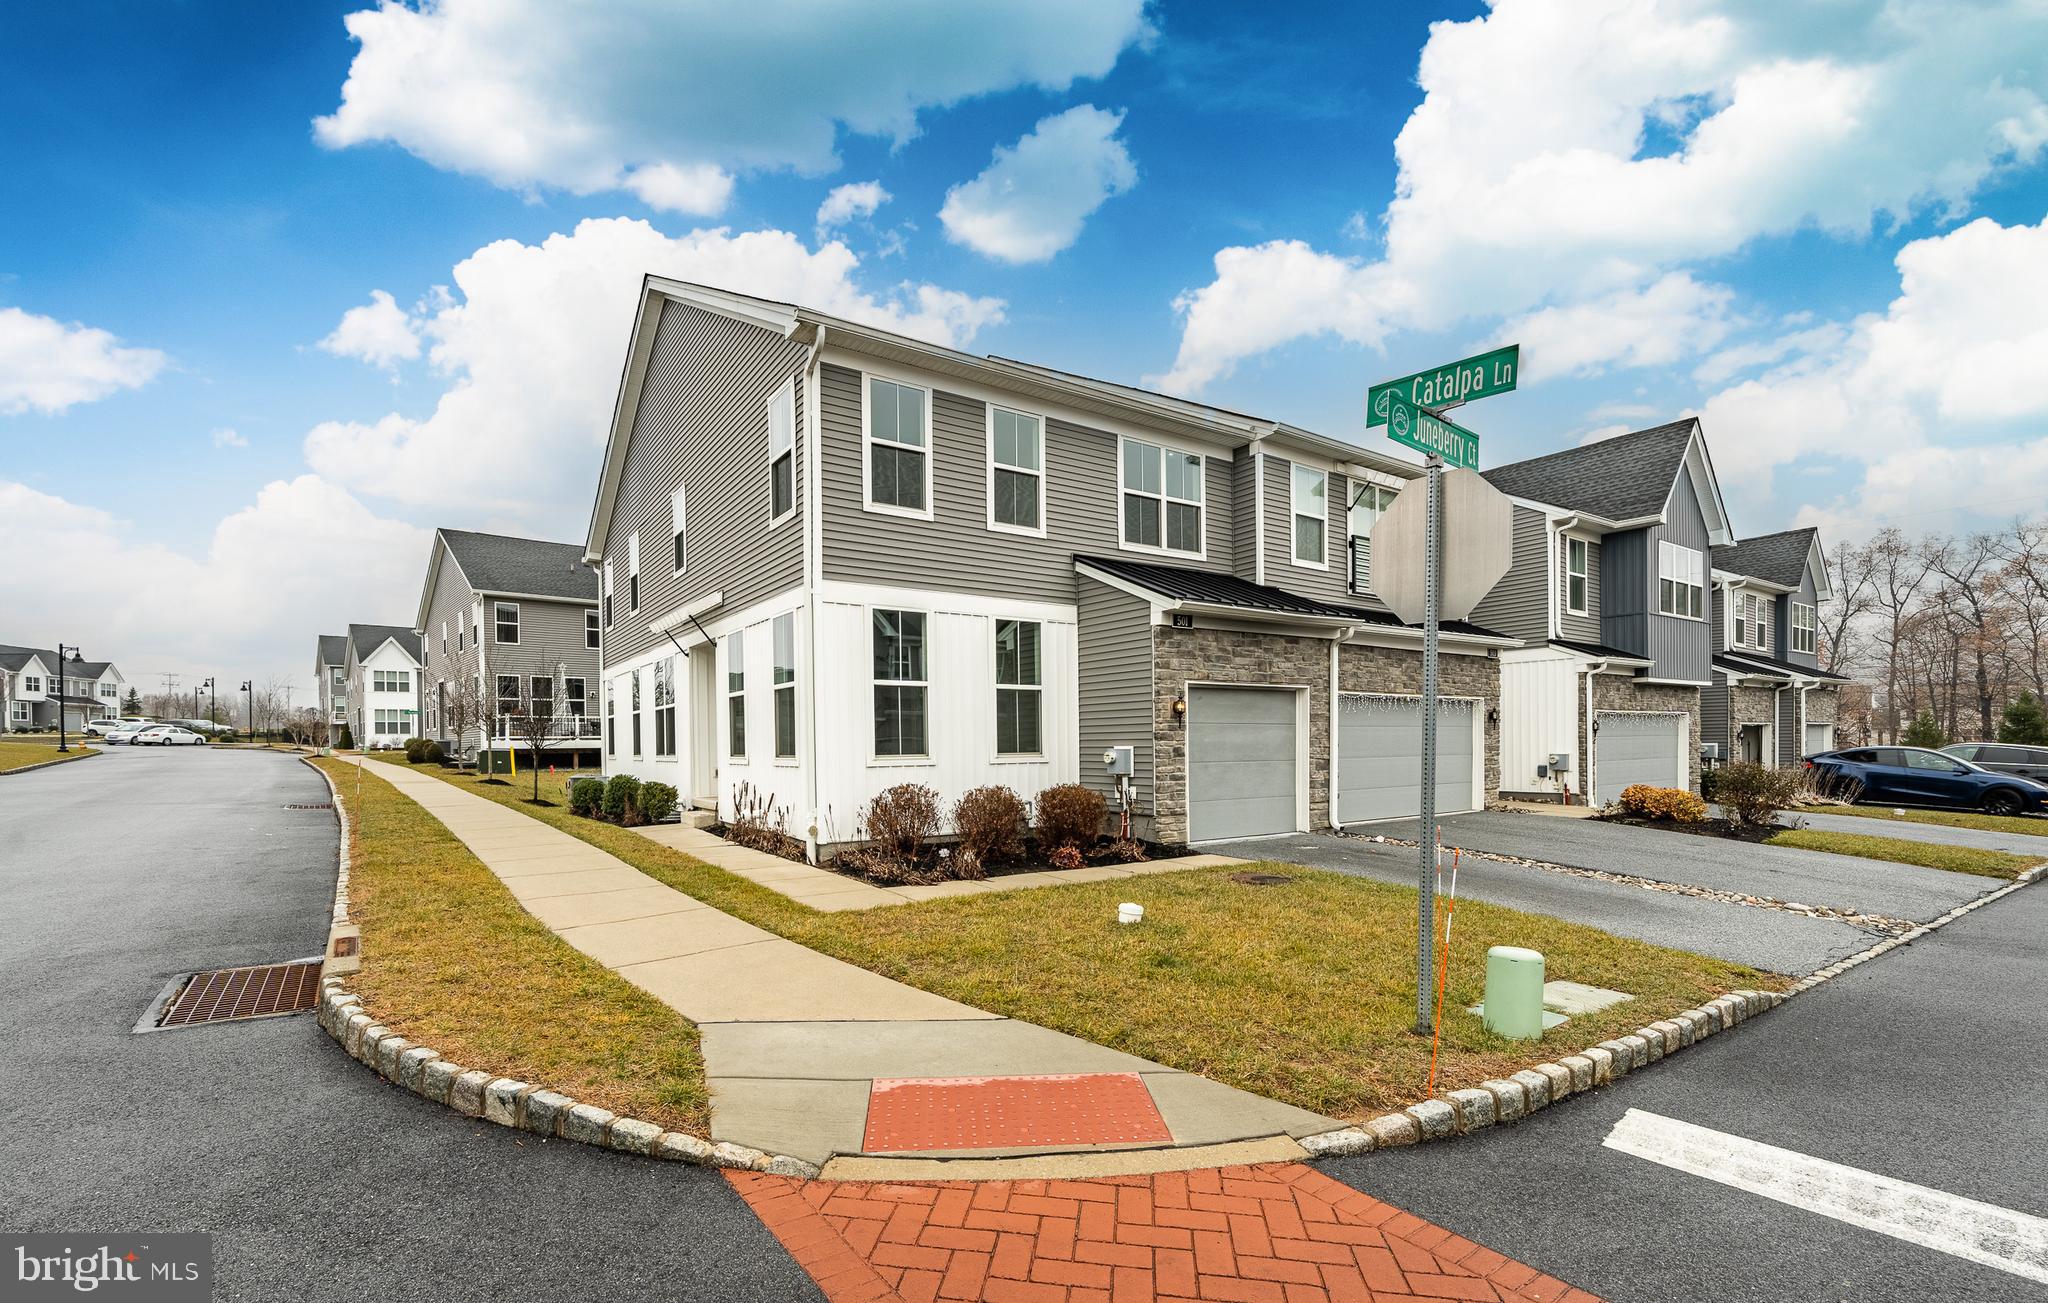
[
  {"x": 1492, "y": 716},
  {"x": 1180, "y": 708}
]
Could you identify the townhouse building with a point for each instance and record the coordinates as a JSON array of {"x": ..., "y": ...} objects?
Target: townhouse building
[
  {"x": 834, "y": 559},
  {"x": 31, "y": 694},
  {"x": 381, "y": 677},
  {"x": 330, "y": 678},
  {"x": 506, "y": 625},
  {"x": 1770, "y": 701}
]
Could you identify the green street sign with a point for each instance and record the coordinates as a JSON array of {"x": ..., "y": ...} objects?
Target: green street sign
[
  {"x": 1460, "y": 382},
  {"x": 1409, "y": 424}
]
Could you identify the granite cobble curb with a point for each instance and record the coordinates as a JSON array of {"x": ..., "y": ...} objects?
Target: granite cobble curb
[
  {"x": 476, "y": 1093},
  {"x": 1503, "y": 1102}
]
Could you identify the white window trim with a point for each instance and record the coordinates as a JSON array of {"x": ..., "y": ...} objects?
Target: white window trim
[
  {"x": 1811, "y": 629},
  {"x": 518, "y": 629},
  {"x": 785, "y": 394},
  {"x": 660, "y": 666},
  {"x": 746, "y": 750},
  {"x": 794, "y": 759},
  {"x": 989, "y": 411},
  {"x": 678, "y": 528},
  {"x": 1294, "y": 513},
  {"x": 924, "y": 760},
  {"x": 592, "y": 626},
  {"x": 1761, "y": 627},
  {"x": 1586, "y": 575},
  {"x": 1164, "y": 445},
  {"x": 997, "y": 754},
  {"x": 868, "y": 441},
  {"x": 1700, "y": 557}
]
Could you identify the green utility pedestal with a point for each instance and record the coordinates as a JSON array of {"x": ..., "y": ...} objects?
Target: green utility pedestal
[{"x": 1514, "y": 992}]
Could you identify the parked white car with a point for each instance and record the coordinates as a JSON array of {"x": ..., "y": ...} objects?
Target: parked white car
[
  {"x": 101, "y": 727},
  {"x": 125, "y": 734},
  {"x": 167, "y": 735}
]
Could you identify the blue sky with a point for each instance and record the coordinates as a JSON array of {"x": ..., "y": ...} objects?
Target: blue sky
[{"x": 1826, "y": 238}]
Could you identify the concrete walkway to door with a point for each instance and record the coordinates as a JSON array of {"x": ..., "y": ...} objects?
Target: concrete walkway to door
[{"x": 797, "y": 1044}]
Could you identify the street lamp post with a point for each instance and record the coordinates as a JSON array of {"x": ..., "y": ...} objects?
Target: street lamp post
[
  {"x": 212, "y": 701},
  {"x": 249, "y": 687},
  {"x": 62, "y": 743}
]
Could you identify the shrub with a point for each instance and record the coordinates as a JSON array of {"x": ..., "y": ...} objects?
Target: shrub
[
  {"x": 1754, "y": 794},
  {"x": 966, "y": 864},
  {"x": 1070, "y": 815},
  {"x": 424, "y": 751},
  {"x": 1067, "y": 857},
  {"x": 1124, "y": 850},
  {"x": 412, "y": 749},
  {"x": 621, "y": 797},
  {"x": 586, "y": 795},
  {"x": 759, "y": 823},
  {"x": 1673, "y": 803},
  {"x": 657, "y": 801},
  {"x": 990, "y": 822},
  {"x": 1924, "y": 732},
  {"x": 903, "y": 820}
]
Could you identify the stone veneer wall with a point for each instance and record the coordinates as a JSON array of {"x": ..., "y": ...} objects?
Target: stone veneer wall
[
  {"x": 1625, "y": 692},
  {"x": 1398, "y": 671},
  {"x": 1183, "y": 656},
  {"x": 1823, "y": 706}
]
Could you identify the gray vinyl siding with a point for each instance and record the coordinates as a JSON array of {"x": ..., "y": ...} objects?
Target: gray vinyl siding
[
  {"x": 452, "y": 595},
  {"x": 1244, "y": 524},
  {"x": 1626, "y": 596},
  {"x": 1115, "y": 637},
  {"x": 1714, "y": 718},
  {"x": 1682, "y": 649},
  {"x": 1791, "y": 737},
  {"x": 1516, "y": 605},
  {"x": 703, "y": 423},
  {"x": 1782, "y": 611},
  {"x": 551, "y": 642},
  {"x": 956, "y": 550},
  {"x": 1717, "y": 615},
  {"x": 1579, "y": 628},
  {"x": 1326, "y": 583}
]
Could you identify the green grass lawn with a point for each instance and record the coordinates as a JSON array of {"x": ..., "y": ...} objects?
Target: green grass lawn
[
  {"x": 2034, "y": 826},
  {"x": 451, "y": 960},
  {"x": 20, "y": 755},
  {"x": 1900, "y": 850},
  {"x": 1303, "y": 992}
]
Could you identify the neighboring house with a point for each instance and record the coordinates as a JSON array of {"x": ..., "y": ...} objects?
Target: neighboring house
[
  {"x": 330, "y": 673},
  {"x": 1770, "y": 702},
  {"x": 515, "y": 620},
  {"x": 835, "y": 559},
  {"x": 32, "y": 695},
  {"x": 381, "y": 663},
  {"x": 1609, "y": 590}
]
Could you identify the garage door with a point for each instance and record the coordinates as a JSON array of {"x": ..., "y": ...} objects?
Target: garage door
[
  {"x": 1242, "y": 763},
  {"x": 1638, "y": 748},
  {"x": 1379, "y": 757},
  {"x": 1819, "y": 737}
]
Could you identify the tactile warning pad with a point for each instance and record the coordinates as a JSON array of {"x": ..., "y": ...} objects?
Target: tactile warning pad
[{"x": 924, "y": 1113}]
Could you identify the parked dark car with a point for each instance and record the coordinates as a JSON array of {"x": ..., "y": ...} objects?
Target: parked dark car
[
  {"x": 2003, "y": 758},
  {"x": 1918, "y": 776}
]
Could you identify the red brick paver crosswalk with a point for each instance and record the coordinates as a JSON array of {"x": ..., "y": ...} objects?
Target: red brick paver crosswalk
[{"x": 1274, "y": 1233}]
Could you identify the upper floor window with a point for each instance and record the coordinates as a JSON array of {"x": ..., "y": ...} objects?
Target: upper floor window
[
  {"x": 607, "y": 595},
  {"x": 1803, "y": 626},
  {"x": 1368, "y": 503},
  {"x": 898, "y": 448},
  {"x": 1681, "y": 574},
  {"x": 678, "y": 515},
  {"x": 633, "y": 572},
  {"x": 1019, "y": 689},
  {"x": 460, "y": 626},
  {"x": 1752, "y": 621},
  {"x": 1016, "y": 472},
  {"x": 507, "y": 616},
  {"x": 899, "y": 685},
  {"x": 32, "y": 683},
  {"x": 781, "y": 454},
  {"x": 109, "y": 691},
  {"x": 391, "y": 680},
  {"x": 1162, "y": 496},
  {"x": 1311, "y": 504},
  {"x": 1577, "y": 564},
  {"x": 444, "y": 637},
  {"x": 590, "y": 632},
  {"x": 785, "y": 685}
]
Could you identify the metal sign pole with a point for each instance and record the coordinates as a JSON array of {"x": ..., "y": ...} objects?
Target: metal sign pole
[{"x": 1425, "y": 895}]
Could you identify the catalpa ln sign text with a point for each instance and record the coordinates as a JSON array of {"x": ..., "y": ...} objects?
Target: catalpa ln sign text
[{"x": 1459, "y": 382}]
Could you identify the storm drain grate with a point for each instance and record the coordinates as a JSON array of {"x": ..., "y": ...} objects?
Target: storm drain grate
[
  {"x": 227, "y": 993},
  {"x": 319, "y": 805}
]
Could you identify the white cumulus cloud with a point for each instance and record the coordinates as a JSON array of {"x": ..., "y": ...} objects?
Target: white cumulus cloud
[
  {"x": 378, "y": 332},
  {"x": 227, "y": 438},
  {"x": 668, "y": 98},
  {"x": 1031, "y": 200},
  {"x": 854, "y": 201},
  {"x": 1674, "y": 317},
  {"x": 47, "y": 366}
]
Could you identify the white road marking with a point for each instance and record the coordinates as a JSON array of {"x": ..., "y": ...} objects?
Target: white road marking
[{"x": 1980, "y": 1232}]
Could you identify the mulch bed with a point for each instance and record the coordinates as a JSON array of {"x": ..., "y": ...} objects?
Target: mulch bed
[{"x": 1723, "y": 828}]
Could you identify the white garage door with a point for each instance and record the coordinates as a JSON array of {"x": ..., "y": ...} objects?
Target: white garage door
[
  {"x": 1379, "y": 757},
  {"x": 1634, "y": 747},
  {"x": 1243, "y": 778},
  {"x": 1819, "y": 737}
]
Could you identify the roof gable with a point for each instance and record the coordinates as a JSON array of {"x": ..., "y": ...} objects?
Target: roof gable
[
  {"x": 521, "y": 567},
  {"x": 1785, "y": 559},
  {"x": 333, "y": 649},
  {"x": 365, "y": 639}
]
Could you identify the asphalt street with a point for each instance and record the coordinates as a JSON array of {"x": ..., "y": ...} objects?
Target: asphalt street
[
  {"x": 1769, "y": 939},
  {"x": 1783, "y": 872},
  {"x": 1923, "y": 1065},
  {"x": 317, "y": 1180}
]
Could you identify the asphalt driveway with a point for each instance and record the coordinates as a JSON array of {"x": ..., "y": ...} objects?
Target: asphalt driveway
[
  {"x": 2016, "y": 843},
  {"x": 1781, "y": 872}
]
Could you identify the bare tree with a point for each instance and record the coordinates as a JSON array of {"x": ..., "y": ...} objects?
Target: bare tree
[
  {"x": 1854, "y": 584},
  {"x": 1898, "y": 572},
  {"x": 462, "y": 707},
  {"x": 535, "y": 717},
  {"x": 1964, "y": 565}
]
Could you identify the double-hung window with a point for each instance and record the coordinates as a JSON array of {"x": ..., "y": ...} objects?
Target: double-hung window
[
  {"x": 1681, "y": 575},
  {"x": 508, "y": 696},
  {"x": 665, "y": 708},
  {"x": 461, "y": 626},
  {"x": 1803, "y": 627},
  {"x": 1016, "y": 471},
  {"x": 590, "y": 632},
  {"x": 444, "y": 637},
  {"x": 781, "y": 454},
  {"x": 898, "y": 448},
  {"x": 543, "y": 697},
  {"x": 736, "y": 695},
  {"x": 574, "y": 701},
  {"x": 507, "y": 616},
  {"x": 678, "y": 515},
  {"x": 633, "y": 572},
  {"x": 1162, "y": 497},
  {"x": 607, "y": 594},
  {"x": 1311, "y": 503},
  {"x": 900, "y": 716},
  {"x": 785, "y": 686},
  {"x": 611, "y": 720},
  {"x": 1577, "y": 565},
  {"x": 1752, "y": 621},
  {"x": 1020, "y": 689},
  {"x": 633, "y": 708}
]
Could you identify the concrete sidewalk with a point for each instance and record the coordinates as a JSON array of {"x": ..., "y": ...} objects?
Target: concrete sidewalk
[{"x": 794, "y": 1040}]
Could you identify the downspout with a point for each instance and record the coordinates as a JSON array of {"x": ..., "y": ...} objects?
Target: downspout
[
  {"x": 1258, "y": 515},
  {"x": 1799, "y": 738},
  {"x": 1335, "y": 722},
  {"x": 814, "y": 553},
  {"x": 1586, "y": 761}
]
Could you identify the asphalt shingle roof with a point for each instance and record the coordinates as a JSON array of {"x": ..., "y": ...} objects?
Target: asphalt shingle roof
[
  {"x": 496, "y": 563},
  {"x": 367, "y": 638},
  {"x": 1623, "y": 478},
  {"x": 1186, "y": 585},
  {"x": 333, "y": 648},
  {"x": 13, "y": 658},
  {"x": 1599, "y": 650},
  {"x": 1774, "y": 558}
]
